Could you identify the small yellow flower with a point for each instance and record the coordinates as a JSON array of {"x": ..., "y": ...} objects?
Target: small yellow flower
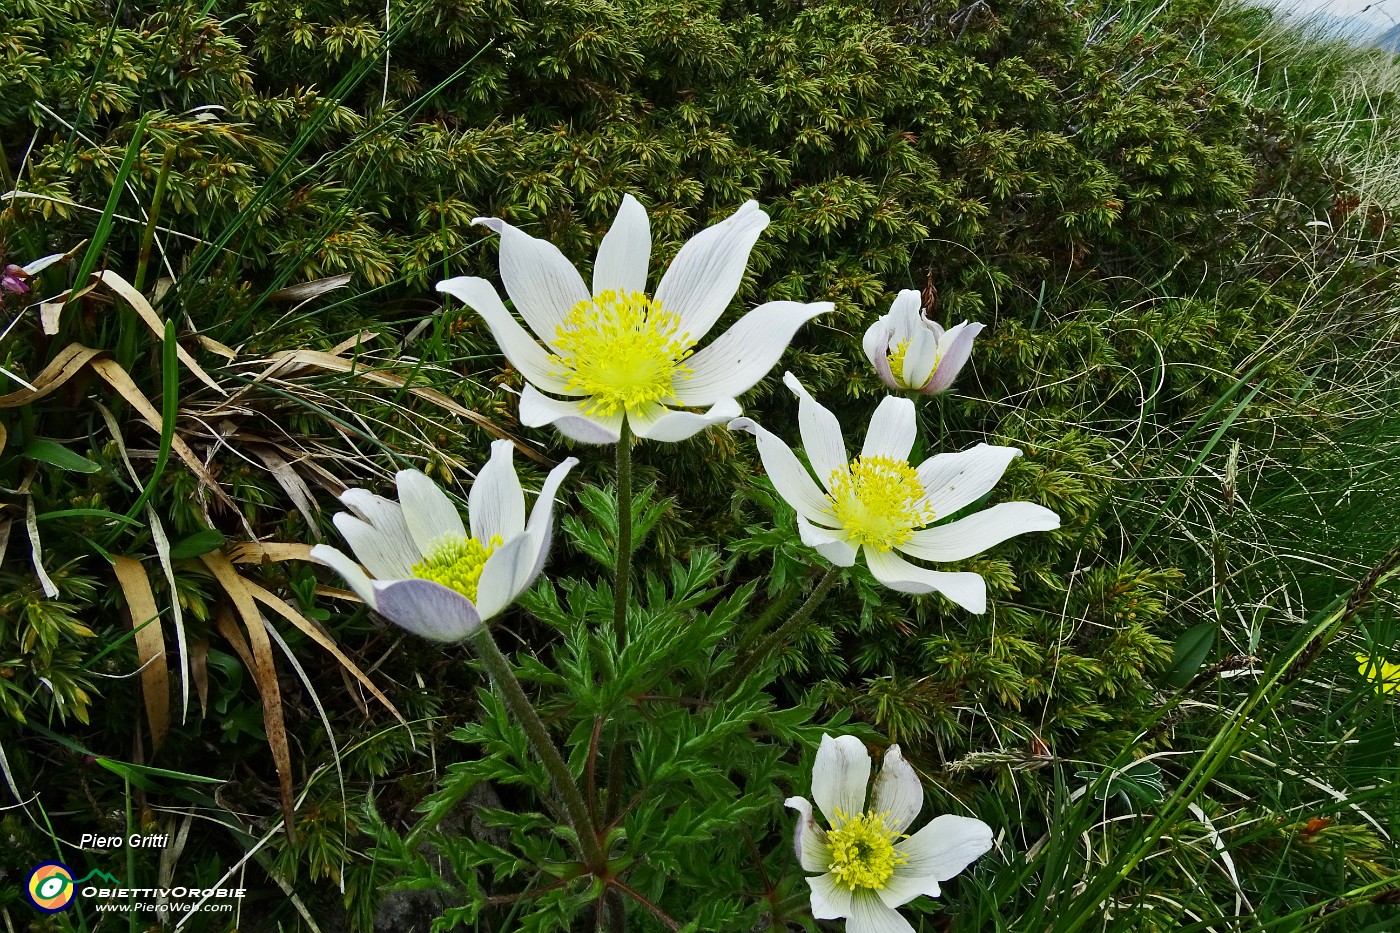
[{"x": 1382, "y": 673}]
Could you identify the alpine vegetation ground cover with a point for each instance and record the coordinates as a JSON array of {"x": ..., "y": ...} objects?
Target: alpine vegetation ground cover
[{"x": 617, "y": 465}]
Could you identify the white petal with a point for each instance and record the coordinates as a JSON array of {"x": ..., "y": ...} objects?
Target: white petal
[
  {"x": 705, "y": 274},
  {"x": 979, "y": 531},
  {"x": 821, "y": 433},
  {"x": 386, "y": 516},
  {"x": 507, "y": 574},
  {"x": 955, "y": 349},
  {"x": 520, "y": 349},
  {"x": 426, "y": 608},
  {"x": 430, "y": 514},
  {"x": 870, "y": 915},
  {"x": 659, "y": 423},
  {"x": 944, "y": 847},
  {"x": 625, "y": 251},
  {"x": 830, "y": 899},
  {"x": 543, "y": 284},
  {"x": 954, "y": 481},
  {"x": 904, "y": 886},
  {"x": 496, "y": 503},
  {"x": 347, "y": 568},
  {"x": 385, "y": 557},
  {"x": 737, "y": 359},
  {"x": 966, "y": 589},
  {"x": 877, "y": 349},
  {"x": 906, "y": 315},
  {"x": 809, "y": 839},
  {"x": 541, "y": 526},
  {"x": 830, "y": 544},
  {"x": 839, "y": 776},
  {"x": 876, "y": 342},
  {"x": 919, "y": 358},
  {"x": 892, "y": 430},
  {"x": 897, "y": 791},
  {"x": 568, "y": 418},
  {"x": 790, "y": 478}
]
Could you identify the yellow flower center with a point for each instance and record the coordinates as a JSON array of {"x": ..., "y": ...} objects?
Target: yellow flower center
[
  {"x": 879, "y": 501},
  {"x": 621, "y": 351},
  {"x": 456, "y": 562},
  {"x": 862, "y": 850},
  {"x": 897, "y": 359}
]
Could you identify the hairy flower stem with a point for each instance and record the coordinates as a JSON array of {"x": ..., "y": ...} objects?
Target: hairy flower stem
[
  {"x": 781, "y": 634},
  {"x": 498, "y": 667},
  {"x": 624, "y": 533}
]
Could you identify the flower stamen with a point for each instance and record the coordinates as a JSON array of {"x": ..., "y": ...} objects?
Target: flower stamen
[
  {"x": 623, "y": 351},
  {"x": 456, "y": 562},
  {"x": 879, "y": 501},
  {"x": 862, "y": 850}
]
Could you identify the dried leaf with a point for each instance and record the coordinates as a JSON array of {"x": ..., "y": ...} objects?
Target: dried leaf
[
  {"x": 255, "y": 552},
  {"x": 199, "y": 673},
  {"x": 282, "y": 608},
  {"x": 69, "y": 362},
  {"x": 314, "y": 289},
  {"x": 290, "y": 360},
  {"x": 49, "y": 313},
  {"x": 119, "y": 380},
  {"x": 150, "y": 644},
  {"x": 264, "y": 672},
  {"x": 31, "y": 522},
  {"x": 292, "y": 484},
  {"x": 148, "y": 314}
]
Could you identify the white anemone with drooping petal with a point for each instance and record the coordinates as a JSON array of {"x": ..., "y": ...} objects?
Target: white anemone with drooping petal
[
  {"x": 433, "y": 575},
  {"x": 869, "y": 866},
  {"x": 878, "y": 504},
  {"x": 599, "y": 355},
  {"x": 910, "y": 353}
]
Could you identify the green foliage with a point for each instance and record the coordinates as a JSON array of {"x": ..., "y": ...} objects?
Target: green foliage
[{"x": 1123, "y": 195}]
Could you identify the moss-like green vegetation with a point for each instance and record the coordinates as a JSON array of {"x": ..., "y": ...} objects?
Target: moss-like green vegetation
[{"x": 1174, "y": 221}]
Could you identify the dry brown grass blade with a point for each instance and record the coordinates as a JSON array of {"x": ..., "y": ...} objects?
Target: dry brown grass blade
[
  {"x": 255, "y": 552},
  {"x": 4, "y": 436},
  {"x": 118, "y": 379},
  {"x": 282, "y": 608},
  {"x": 292, "y": 359},
  {"x": 69, "y": 362},
  {"x": 5, "y": 538},
  {"x": 264, "y": 672},
  {"x": 143, "y": 308},
  {"x": 150, "y": 644},
  {"x": 31, "y": 524},
  {"x": 292, "y": 484},
  {"x": 199, "y": 673}
]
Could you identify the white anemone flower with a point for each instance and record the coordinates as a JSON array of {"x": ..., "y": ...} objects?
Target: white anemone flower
[
  {"x": 910, "y": 353},
  {"x": 879, "y": 504},
  {"x": 613, "y": 351},
  {"x": 869, "y": 864},
  {"x": 433, "y": 575}
]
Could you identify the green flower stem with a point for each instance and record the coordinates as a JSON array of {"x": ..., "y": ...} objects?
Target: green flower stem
[
  {"x": 784, "y": 631},
  {"x": 524, "y": 712},
  {"x": 624, "y": 533}
]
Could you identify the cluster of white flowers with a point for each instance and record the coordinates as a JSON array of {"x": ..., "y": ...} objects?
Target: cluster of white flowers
[{"x": 615, "y": 359}]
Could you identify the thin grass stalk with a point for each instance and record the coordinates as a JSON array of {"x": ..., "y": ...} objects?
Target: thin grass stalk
[
  {"x": 148, "y": 236},
  {"x": 780, "y": 634},
  {"x": 1223, "y": 746},
  {"x": 498, "y": 667},
  {"x": 624, "y": 533}
]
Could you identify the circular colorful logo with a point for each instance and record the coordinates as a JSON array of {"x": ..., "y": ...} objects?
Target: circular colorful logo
[{"x": 50, "y": 887}]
